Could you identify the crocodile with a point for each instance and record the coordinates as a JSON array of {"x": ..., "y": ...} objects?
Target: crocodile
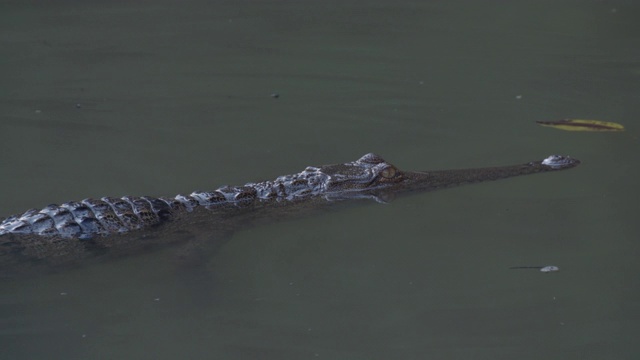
[{"x": 77, "y": 230}]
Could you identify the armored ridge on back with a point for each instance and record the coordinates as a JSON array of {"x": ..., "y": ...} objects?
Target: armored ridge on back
[{"x": 77, "y": 230}]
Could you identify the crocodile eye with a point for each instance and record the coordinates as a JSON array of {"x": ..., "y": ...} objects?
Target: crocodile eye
[{"x": 388, "y": 173}]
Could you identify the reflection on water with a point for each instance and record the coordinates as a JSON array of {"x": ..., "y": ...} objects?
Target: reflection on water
[{"x": 158, "y": 99}]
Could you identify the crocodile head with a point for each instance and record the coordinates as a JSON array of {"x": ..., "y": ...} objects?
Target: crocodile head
[
  {"x": 372, "y": 177},
  {"x": 360, "y": 178}
]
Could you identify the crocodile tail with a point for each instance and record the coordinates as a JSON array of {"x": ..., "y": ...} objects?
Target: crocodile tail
[{"x": 90, "y": 217}]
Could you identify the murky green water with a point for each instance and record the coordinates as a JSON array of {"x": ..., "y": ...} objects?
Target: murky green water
[{"x": 166, "y": 97}]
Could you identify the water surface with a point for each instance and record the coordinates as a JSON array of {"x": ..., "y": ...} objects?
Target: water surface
[{"x": 166, "y": 97}]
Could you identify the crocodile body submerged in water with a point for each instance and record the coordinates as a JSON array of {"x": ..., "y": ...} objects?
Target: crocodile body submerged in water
[{"x": 73, "y": 231}]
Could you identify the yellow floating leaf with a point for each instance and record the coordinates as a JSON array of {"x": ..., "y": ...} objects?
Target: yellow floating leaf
[{"x": 582, "y": 125}]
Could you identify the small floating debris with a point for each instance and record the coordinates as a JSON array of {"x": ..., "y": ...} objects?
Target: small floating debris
[
  {"x": 582, "y": 125},
  {"x": 544, "y": 269},
  {"x": 275, "y": 95},
  {"x": 549, "y": 268}
]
